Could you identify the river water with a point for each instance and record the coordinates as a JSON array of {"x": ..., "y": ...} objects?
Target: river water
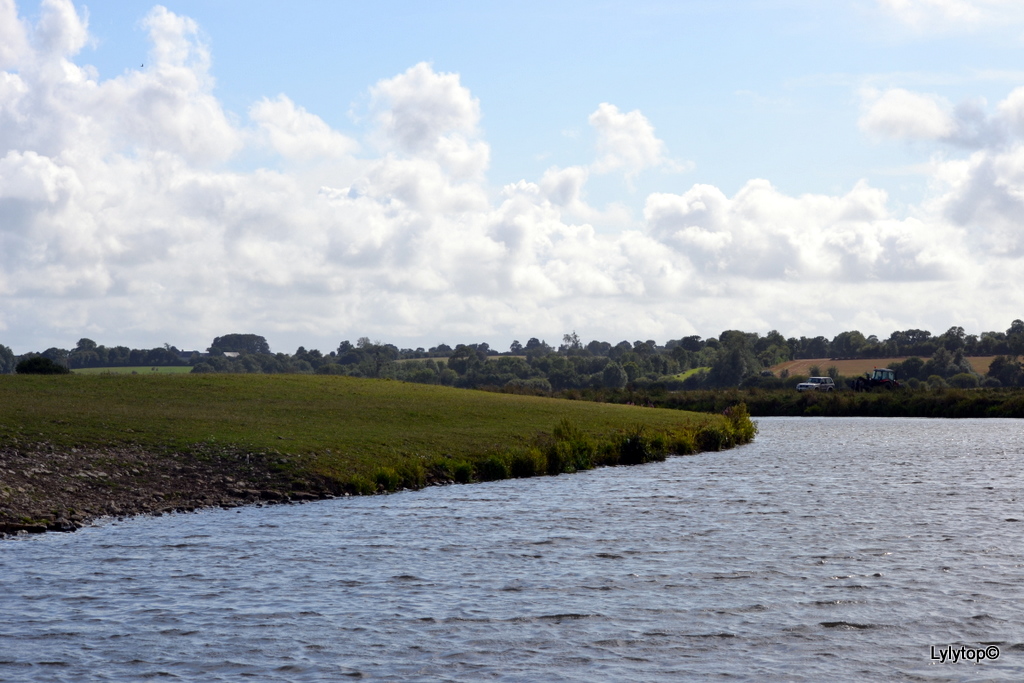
[{"x": 842, "y": 549}]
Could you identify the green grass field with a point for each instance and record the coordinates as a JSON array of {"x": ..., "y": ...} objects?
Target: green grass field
[
  {"x": 347, "y": 426},
  {"x": 687, "y": 373},
  {"x": 135, "y": 370}
]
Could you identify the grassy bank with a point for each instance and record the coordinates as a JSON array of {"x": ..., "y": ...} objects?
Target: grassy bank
[{"x": 323, "y": 434}]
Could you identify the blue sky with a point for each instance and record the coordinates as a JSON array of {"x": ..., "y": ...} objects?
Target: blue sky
[
  {"x": 740, "y": 89},
  {"x": 428, "y": 172}
]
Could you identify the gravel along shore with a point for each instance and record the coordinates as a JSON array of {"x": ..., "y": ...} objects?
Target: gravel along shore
[{"x": 43, "y": 488}]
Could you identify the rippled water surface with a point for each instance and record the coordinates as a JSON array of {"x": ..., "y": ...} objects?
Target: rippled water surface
[{"x": 838, "y": 549}]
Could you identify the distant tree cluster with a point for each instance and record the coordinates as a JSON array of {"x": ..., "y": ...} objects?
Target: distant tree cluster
[
  {"x": 733, "y": 359},
  {"x": 89, "y": 354}
]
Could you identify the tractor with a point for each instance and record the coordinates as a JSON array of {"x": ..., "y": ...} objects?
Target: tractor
[{"x": 881, "y": 377}]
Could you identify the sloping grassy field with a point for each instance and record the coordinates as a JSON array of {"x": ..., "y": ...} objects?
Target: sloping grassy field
[{"x": 342, "y": 427}]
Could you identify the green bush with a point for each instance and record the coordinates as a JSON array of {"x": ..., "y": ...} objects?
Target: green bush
[
  {"x": 713, "y": 438},
  {"x": 361, "y": 486},
  {"x": 635, "y": 447},
  {"x": 559, "y": 458},
  {"x": 607, "y": 454},
  {"x": 964, "y": 380},
  {"x": 529, "y": 462},
  {"x": 387, "y": 479},
  {"x": 412, "y": 475},
  {"x": 40, "y": 365},
  {"x": 462, "y": 472},
  {"x": 576, "y": 448},
  {"x": 743, "y": 427},
  {"x": 682, "y": 443},
  {"x": 493, "y": 468}
]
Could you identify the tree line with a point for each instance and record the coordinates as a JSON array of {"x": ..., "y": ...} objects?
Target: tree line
[{"x": 733, "y": 359}]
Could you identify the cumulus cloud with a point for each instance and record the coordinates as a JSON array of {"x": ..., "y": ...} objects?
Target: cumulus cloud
[
  {"x": 901, "y": 114},
  {"x": 625, "y": 140},
  {"x": 296, "y": 134},
  {"x": 763, "y": 234},
  {"x": 13, "y": 35},
  {"x": 982, "y": 194},
  {"x": 421, "y": 112},
  {"x": 122, "y": 218},
  {"x": 904, "y": 115}
]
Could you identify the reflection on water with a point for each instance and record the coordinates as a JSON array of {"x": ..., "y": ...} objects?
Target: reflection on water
[{"x": 830, "y": 548}]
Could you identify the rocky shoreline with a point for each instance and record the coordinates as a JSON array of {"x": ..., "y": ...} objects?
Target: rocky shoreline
[{"x": 43, "y": 488}]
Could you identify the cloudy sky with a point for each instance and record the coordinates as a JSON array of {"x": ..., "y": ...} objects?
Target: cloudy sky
[{"x": 458, "y": 172}]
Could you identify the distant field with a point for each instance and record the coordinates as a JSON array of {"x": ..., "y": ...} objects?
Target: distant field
[
  {"x": 858, "y": 366},
  {"x": 134, "y": 370},
  {"x": 692, "y": 371}
]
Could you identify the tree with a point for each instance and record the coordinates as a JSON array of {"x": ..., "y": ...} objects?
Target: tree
[
  {"x": 59, "y": 356},
  {"x": 953, "y": 339},
  {"x": 240, "y": 343},
  {"x": 571, "y": 342},
  {"x": 40, "y": 365},
  {"x": 440, "y": 351},
  {"x": 911, "y": 368},
  {"x": 516, "y": 348},
  {"x": 614, "y": 377},
  {"x": 599, "y": 348},
  {"x": 848, "y": 344},
  {"x": 734, "y": 364},
  {"x": 692, "y": 343},
  {"x": 6, "y": 360},
  {"x": 1015, "y": 338},
  {"x": 1007, "y": 370},
  {"x": 85, "y": 344}
]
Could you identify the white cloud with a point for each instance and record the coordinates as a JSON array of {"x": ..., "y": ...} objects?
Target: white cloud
[
  {"x": 424, "y": 113},
  {"x": 296, "y": 134},
  {"x": 120, "y": 217},
  {"x": 13, "y": 36},
  {"x": 904, "y": 115},
  {"x": 61, "y": 32},
  {"x": 901, "y": 114},
  {"x": 765, "y": 235},
  {"x": 984, "y": 195},
  {"x": 626, "y": 141}
]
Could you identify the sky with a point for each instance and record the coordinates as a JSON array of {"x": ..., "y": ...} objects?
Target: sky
[{"x": 458, "y": 172}]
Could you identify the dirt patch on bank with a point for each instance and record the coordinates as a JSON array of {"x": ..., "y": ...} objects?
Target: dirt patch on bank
[{"x": 43, "y": 488}]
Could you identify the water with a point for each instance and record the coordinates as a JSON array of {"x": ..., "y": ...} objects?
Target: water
[{"x": 840, "y": 549}]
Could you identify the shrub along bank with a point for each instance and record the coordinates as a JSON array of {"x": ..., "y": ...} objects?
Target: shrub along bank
[
  {"x": 76, "y": 447},
  {"x": 943, "y": 402}
]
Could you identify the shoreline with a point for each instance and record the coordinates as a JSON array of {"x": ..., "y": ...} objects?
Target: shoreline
[
  {"x": 45, "y": 489},
  {"x": 73, "y": 449}
]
